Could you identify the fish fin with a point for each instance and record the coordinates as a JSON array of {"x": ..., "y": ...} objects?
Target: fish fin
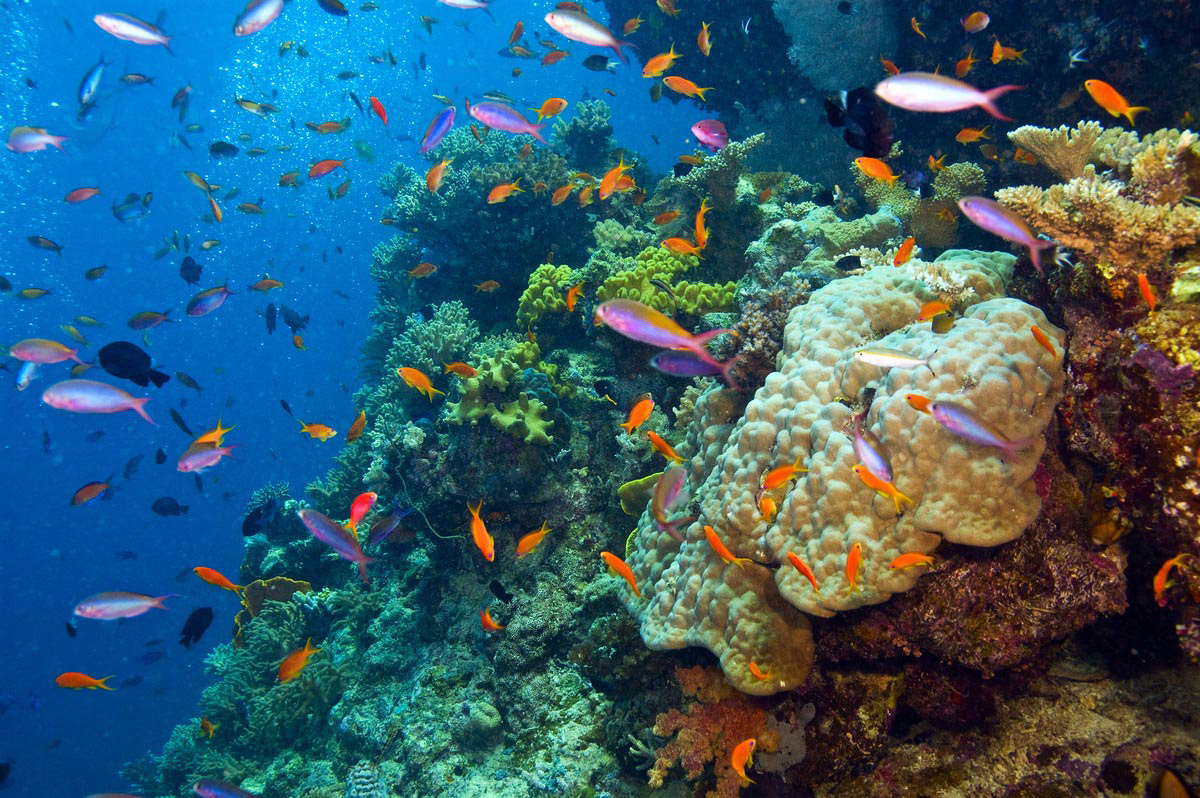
[
  {"x": 992, "y": 95},
  {"x": 139, "y": 407},
  {"x": 1130, "y": 113}
]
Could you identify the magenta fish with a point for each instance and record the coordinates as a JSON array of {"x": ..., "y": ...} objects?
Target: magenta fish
[
  {"x": 42, "y": 350},
  {"x": 579, "y": 27},
  {"x": 32, "y": 139},
  {"x": 337, "y": 537},
  {"x": 438, "y": 128},
  {"x": 925, "y": 91},
  {"x": 504, "y": 117},
  {"x": 643, "y": 323},
  {"x": 206, "y": 302},
  {"x": 683, "y": 364},
  {"x": 132, "y": 29},
  {"x": 965, "y": 424},
  {"x": 211, "y": 788},
  {"x": 711, "y": 133},
  {"x": 200, "y": 456},
  {"x": 257, "y": 15},
  {"x": 89, "y": 396},
  {"x": 668, "y": 493},
  {"x": 116, "y": 604},
  {"x": 998, "y": 220}
]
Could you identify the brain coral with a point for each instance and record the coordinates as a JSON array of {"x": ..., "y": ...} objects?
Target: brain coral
[{"x": 962, "y": 492}]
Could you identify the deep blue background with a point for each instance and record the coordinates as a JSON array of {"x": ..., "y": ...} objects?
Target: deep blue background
[{"x": 65, "y": 742}]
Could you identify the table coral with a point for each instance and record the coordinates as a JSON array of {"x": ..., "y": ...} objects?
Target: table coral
[{"x": 963, "y": 493}]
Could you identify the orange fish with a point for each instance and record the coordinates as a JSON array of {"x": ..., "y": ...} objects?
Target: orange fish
[
  {"x": 945, "y": 215},
  {"x": 660, "y": 63},
  {"x": 207, "y": 727},
  {"x": 298, "y": 342},
  {"x": 459, "y": 369},
  {"x": 938, "y": 164},
  {"x": 517, "y": 30},
  {"x": 781, "y": 475},
  {"x": 487, "y": 286},
  {"x": 503, "y": 191},
  {"x": 553, "y": 57},
  {"x": 417, "y": 380},
  {"x": 632, "y": 24},
  {"x": 1043, "y": 340},
  {"x": 930, "y": 309},
  {"x": 1021, "y": 156},
  {"x": 216, "y": 435},
  {"x": 975, "y": 22},
  {"x": 1161, "y": 579},
  {"x": 757, "y": 672},
  {"x": 216, "y": 578},
  {"x": 608, "y": 183},
  {"x": 905, "y": 253},
  {"x": 479, "y": 533},
  {"x": 703, "y": 42},
  {"x": 573, "y": 296},
  {"x": 561, "y": 193},
  {"x": 289, "y": 179},
  {"x": 638, "y": 415},
  {"x": 266, "y": 284},
  {"x": 321, "y": 432},
  {"x": 918, "y": 402},
  {"x": 666, "y": 218},
  {"x": 359, "y": 508},
  {"x": 585, "y": 196},
  {"x": 764, "y": 195},
  {"x": 530, "y": 542},
  {"x": 326, "y": 127},
  {"x": 216, "y": 209},
  {"x": 662, "y": 447},
  {"x": 889, "y": 67},
  {"x": 804, "y": 570},
  {"x": 294, "y": 662},
  {"x": 356, "y": 429},
  {"x": 322, "y": 168},
  {"x": 691, "y": 160},
  {"x": 767, "y": 507},
  {"x": 1111, "y": 100},
  {"x": 971, "y": 134},
  {"x": 963, "y": 67},
  {"x": 681, "y": 246},
  {"x": 422, "y": 270},
  {"x": 916, "y": 26},
  {"x": 81, "y": 194},
  {"x": 489, "y": 624},
  {"x": 251, "y": 208},
  {"x": 436, "y": 174},
  {"x": 620, "y": 568},
  {"x": 743, "y": 757},
  {"x": 853, "y": 562},
  {"x": 89, "y": 493},
  {"x": 880, "y": 486},
  {"x": 1147, "y": 291},
  {"x": 876, "y": 170},
  {"x": 911, "y": 559},
  {"x": 551, "y": 107},
  {"x": 721, "y": 549},
  {"x": 685, "y": 87},
  {"x": 701, "y": 230},
  {"x": 667, "y": 7},
  {"x": 81, "y": 681},
  {"x": 1002, "y": 53}
]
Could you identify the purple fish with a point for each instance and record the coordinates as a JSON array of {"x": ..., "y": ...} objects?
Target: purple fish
[
  {"x": 200, "y": 456},
  {"x": 211, "y": 788},
  {"x": 113, "y": 605},
  {"x": 132, "y": 29},
  {"x": 206, "y": 302},
  {"x": 89, "y": 396},
  {"x": 257, "y": 15},
  {"x": 504, "y": 117},
  {"x": 965, "y": 424},
  {"x": 669, "y": 492},
  {"x": 998, "y": 220},
  {"x": 871, "y": 452},
  {"x": 337, "y": 537},
  {"x": 711, "y": 133},
  {"x": 644, "y": 323},
  {"x": 438, "y": 128},
  {"x": 385, "y": 527},
  {"x": 32, "y": 139},
  {"x": 683, "y": 364},
  {"x": 925, "y": 91}
]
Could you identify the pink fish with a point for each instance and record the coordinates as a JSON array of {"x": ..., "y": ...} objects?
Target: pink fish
[
  {"x": 438, "y": 128},
  {"x": 579, "y": 27},
  {"x": 200, "y": 456},
  {"x": 668, "y": 494},
  {"x": 41, "y": 350},
  {"x": 504, "y": 117},
  {"x": 337, "y": 537},
  {"x": 89, "y": 396},
  {"x": 925, "y": 91},
  {"x": 965, "y": 424},
  {"x": 32, "y": 139},
  {"x": 467, "y": 5},
  {"x": 711, "y": 133},
  {"x": 998, "y": 220},
  {"x": 132, "y": 29},
  {"x": 116, "y": 604},
  {"x": 257, "y": 15},
  {"x": 644, "y": 323}
]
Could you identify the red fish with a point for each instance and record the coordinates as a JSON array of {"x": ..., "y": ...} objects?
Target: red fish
[
  {"x": 75, "y": 680},
  {"x": 378, "y": 108},
  {"x": 322, "y": 168},
  {"x": 293, "y": 664}
]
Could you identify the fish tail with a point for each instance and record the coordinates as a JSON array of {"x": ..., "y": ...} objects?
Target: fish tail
[
  {"x": 139, "y": 407},
  {"x": 991, "y": 95},
  {"x": 1129, "y": 114},
  {"x": 362, "y": 569},
  {"x": 726, "y": 368},
  {"x": 536, "y": 132},
  {"x": 101, "y": 683},
  {"x": 617, "y": 45},
  {"x": 1035, "y": 253}
]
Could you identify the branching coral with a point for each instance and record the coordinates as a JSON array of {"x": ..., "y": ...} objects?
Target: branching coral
[
  {"x": 1064, "y": 150},
  {"x": 427, "y": 343}
]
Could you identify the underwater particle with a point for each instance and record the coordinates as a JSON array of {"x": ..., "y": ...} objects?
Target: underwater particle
[{"x": 195, "y": 626}]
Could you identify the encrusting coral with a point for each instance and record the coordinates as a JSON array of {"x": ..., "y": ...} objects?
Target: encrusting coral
[{"x": 988, "y": 362}]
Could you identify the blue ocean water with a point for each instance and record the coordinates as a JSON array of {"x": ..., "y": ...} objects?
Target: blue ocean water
[{"x": 66, "y": 742}]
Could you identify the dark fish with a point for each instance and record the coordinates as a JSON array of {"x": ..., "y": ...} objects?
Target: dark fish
[
  {"x": 347, "y": 75},
  {"x": 222, "y": 149},
  {"x": 386, "y": 528},
  {"x": 131, "y": 467},
  {"x": 342, "y": 294},
  {"x": 41, "y": 242},
  {"x": 179, "y": 422},
  {"x": 155, "y": 642},
  {"x": 52, "y": 743},
  {"x": 31, "y": 83},
  {"x": 5, "y": 770},
  {"x": 293, "y": 320},
  {"x": 286, "y": 407},
  {"x": 151, "y": 657},
  {"x": 499, "y": 592},
  {"x": 335, "y": 7},
  {"x": 125, "y": 554},
  {"x": 599, "y": 63},
  {"x": 421, "y": 61},
  {"x": 5, "y": 285},
  {"x": 663, "y": 286},
  {"x": 270, "y": 317},
  {"x": 869, "y": 128},
  {"x": 160, "y": 457},
  {"x": 260, "y": 518},
  {"x": 46, "y": 441},
  {"x": 357, "y": 102},
  {"x": 92, "y": 437},
  {"x": 656, "y": 91},
  {"x": 845, "y": 7},
  {"x": 681, "y": 169},
  {"x": 188, "y": 381},
  {"x": 133, "y": 681},
  {"x": 71, "y": 630},
  {"x": 199, "y": 483},
  {"x": 195, "y": 626},
  {"x": 167, "y": 506},
  {"x": 129, "y": 362},
  {"x": 848, "y": 263},
  {"x": 824, "y": 198},
  {"x": 190, "y": 271}
]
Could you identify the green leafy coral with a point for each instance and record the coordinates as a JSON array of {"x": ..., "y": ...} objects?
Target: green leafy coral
[
  {"x": 656, "y": 263},
  {"x": 488, "y": 395},
  {"x": 546, "y": 293}
]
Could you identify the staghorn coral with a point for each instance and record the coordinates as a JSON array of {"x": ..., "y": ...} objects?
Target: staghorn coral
[
  {"x": 963, "y": 493},
  {"x": 1064, "y": 150}
]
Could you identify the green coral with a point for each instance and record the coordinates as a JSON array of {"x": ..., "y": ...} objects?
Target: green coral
[
  {"x": 656, "y": 263},
  {"x": 482, "y": 396},
  {"x": 546, "y": 293},
  {"x": 933, "y": 221}
]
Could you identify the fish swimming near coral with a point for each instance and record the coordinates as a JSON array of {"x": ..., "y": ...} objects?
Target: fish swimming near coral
[{"x": 337, "y": 537}]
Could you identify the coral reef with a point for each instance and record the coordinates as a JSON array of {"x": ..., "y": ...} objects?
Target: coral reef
[
  {"x": 428, "y": 343},
  {"x": 1066, "y": 151},
  {"x": 933, "y": 221},
  {"x": 482, "y": 396},
  {"x": 658, "y": 264},
  {"x": 585, "y": 138},
  {"x": 834, "y": 50},
  {"x": 546, "y": 293}
]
